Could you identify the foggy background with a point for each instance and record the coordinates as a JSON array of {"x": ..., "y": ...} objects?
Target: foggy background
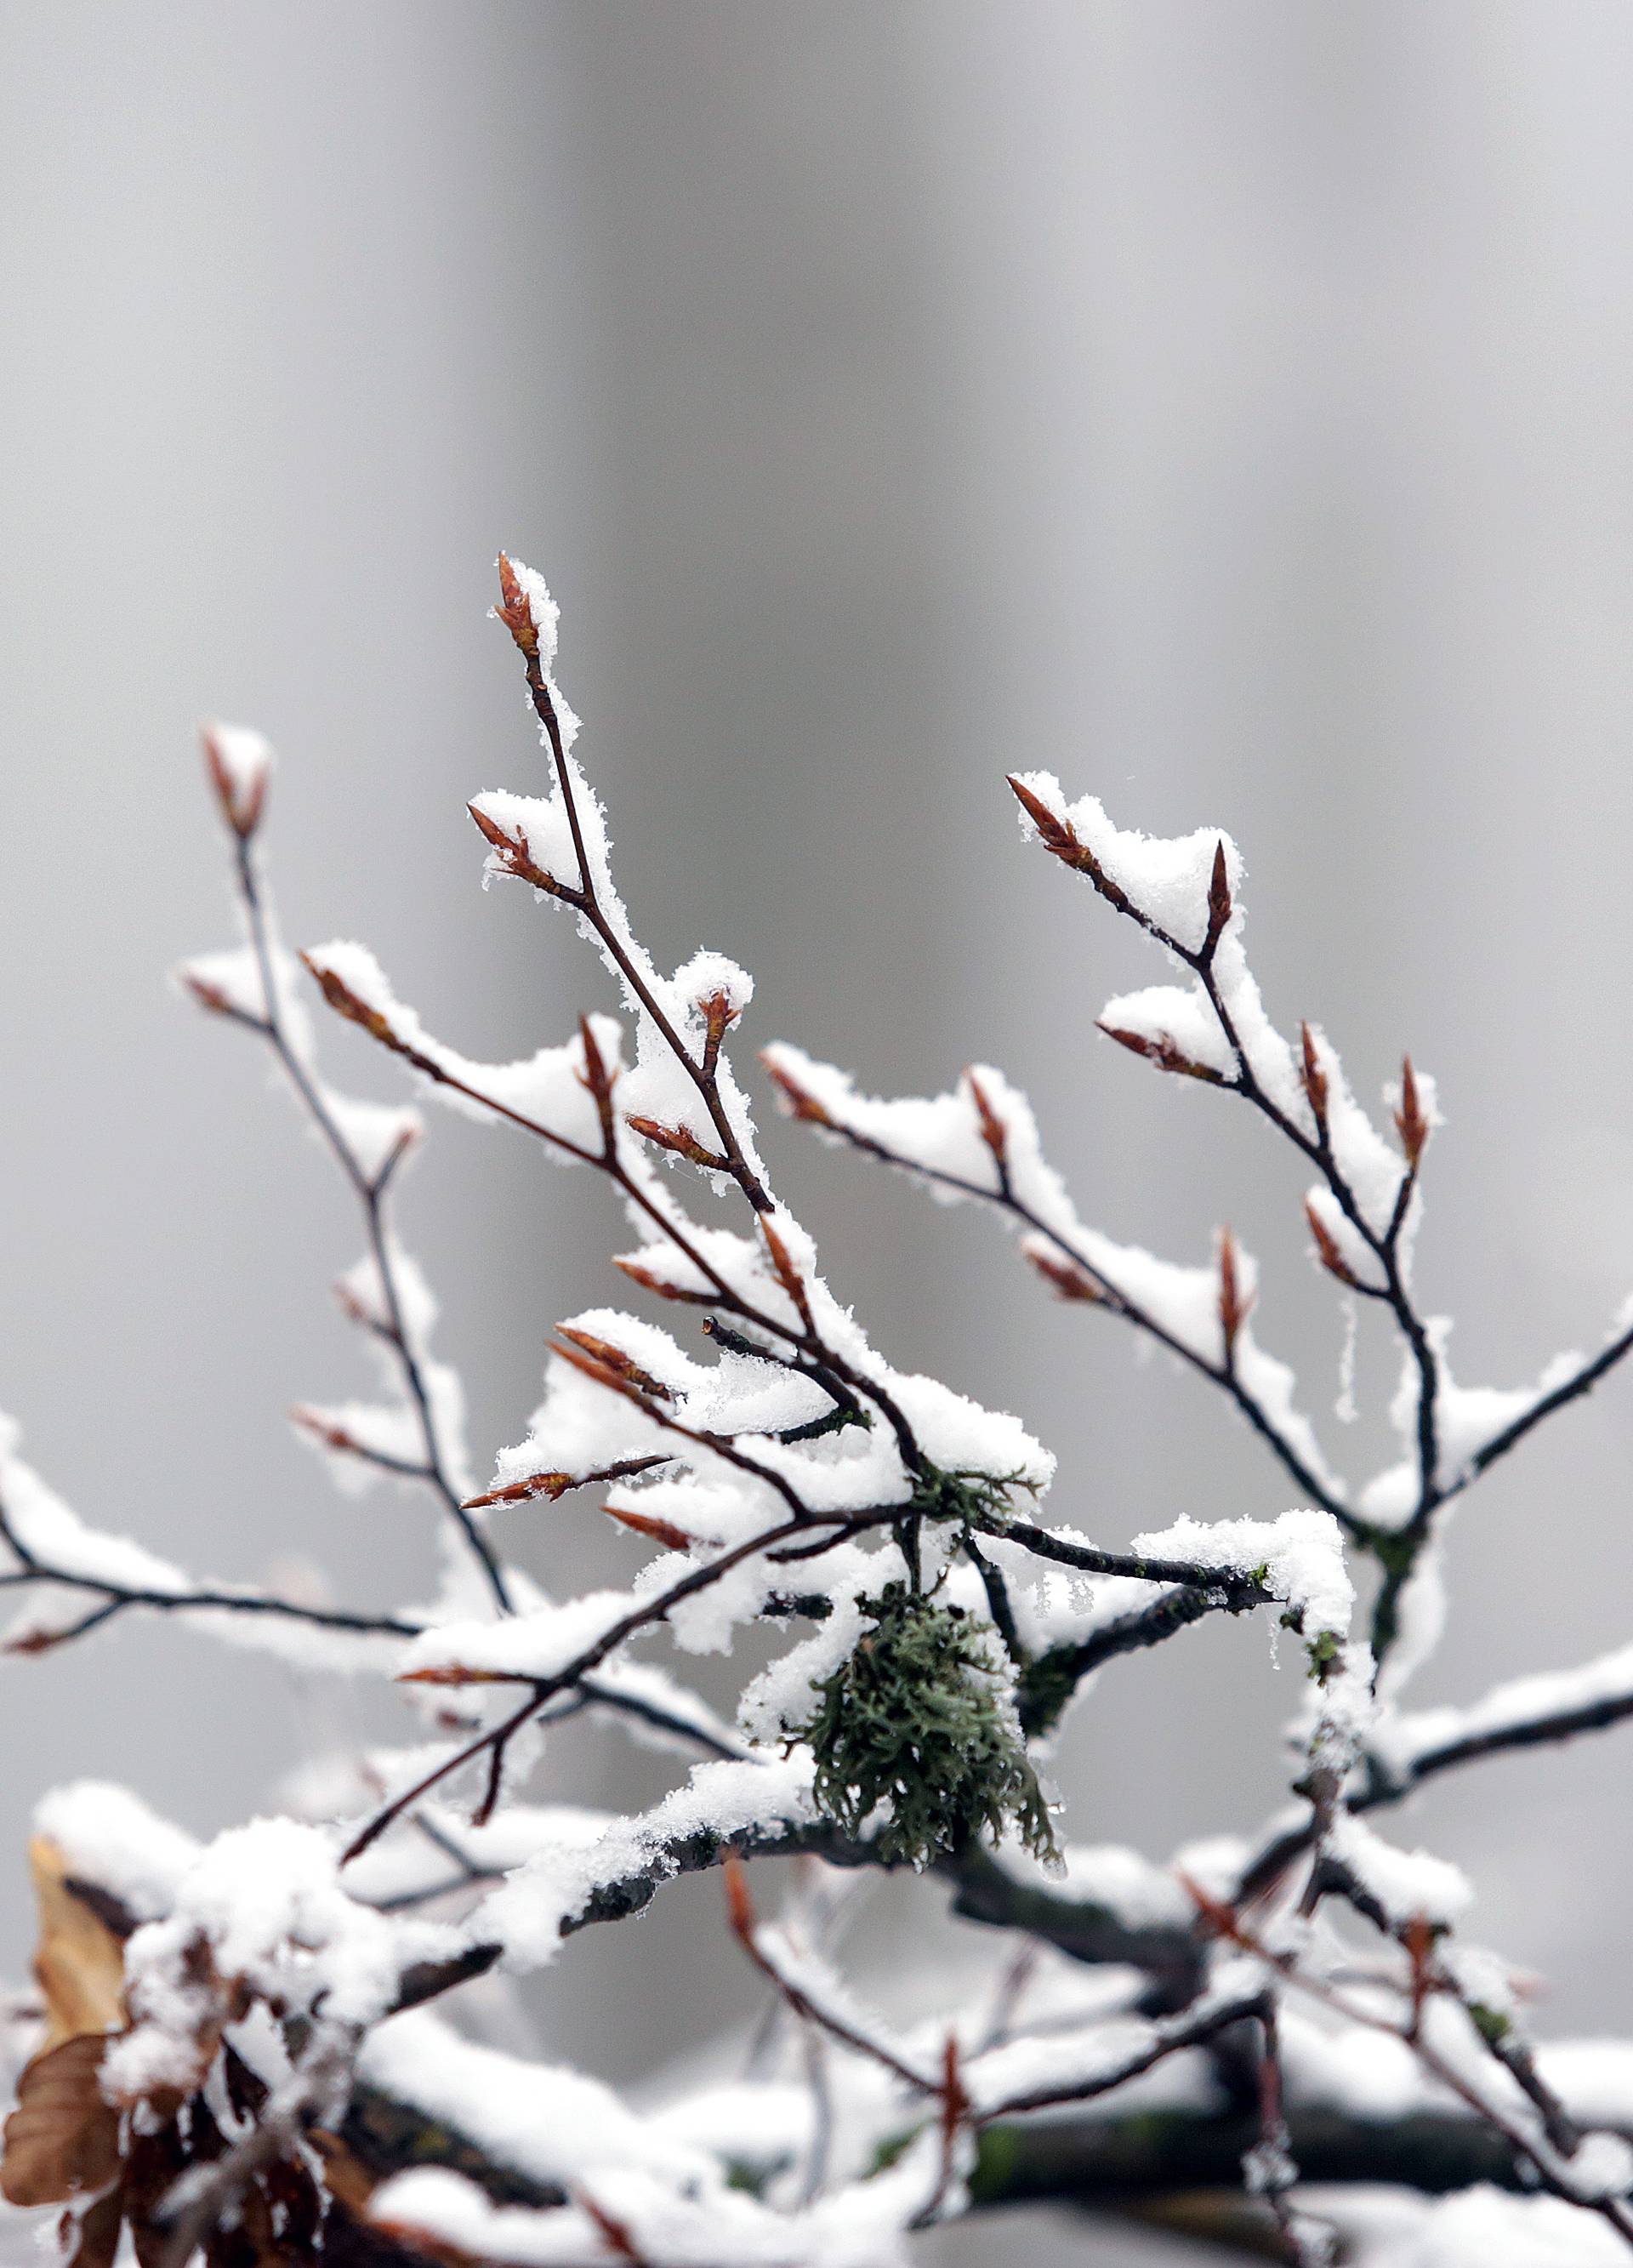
[{"x": 1227, "y": 407}]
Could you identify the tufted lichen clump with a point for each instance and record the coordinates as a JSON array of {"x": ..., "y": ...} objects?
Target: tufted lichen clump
[{"x": 917, "y": 1719}]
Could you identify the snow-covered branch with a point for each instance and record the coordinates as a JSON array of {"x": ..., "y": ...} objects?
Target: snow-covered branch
[{"x": 252, "y": 2048}]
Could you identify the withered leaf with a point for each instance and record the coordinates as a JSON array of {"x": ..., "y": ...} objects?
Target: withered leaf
[
  {"x": 80, "y": 1962},
  {"x": 97, "y": 2233},
  {"x": 156, "y": 2162},
  {"x": 62, "y": 2138}
]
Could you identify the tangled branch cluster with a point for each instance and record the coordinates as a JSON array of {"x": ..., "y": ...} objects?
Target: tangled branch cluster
[{"x": 240, "y": 2056}]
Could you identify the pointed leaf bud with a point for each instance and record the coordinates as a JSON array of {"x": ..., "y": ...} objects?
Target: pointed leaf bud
[
  {"x": 660, "y": 1531},
  {"x": 680, "y": 1139},
  {"x": 1235, "y": 1305},
  {"x": 1160, "y": 1049},
  {"x": 787, "y": 1275},
  {"x": 614, "y": 1358},
  {"x": 1411, "y": 1123},
  {"x": 994, "y": 1132},
  {"x": 1326, "y": 1249},
  {"x": 1219, "y": 902},
  {"x": 1071, "y": 1281},
  {"x": 739, "y": 1904},
  {"x": 599, "y": 1079},
  {"x": 797, "y": 1100},
  {"x": 1313, "y": 1079},
  {"x": 515, "y": 610},
  {"x": 650, "y": 1280},
  {"x": 239, "y": 764},
  {"x": 546, "y": 1485}
]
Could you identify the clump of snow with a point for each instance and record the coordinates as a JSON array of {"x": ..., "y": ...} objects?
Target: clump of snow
[
  {"x": 265, "y": 1902},
  {"x": 1409, "y": 1886},
  {"x": 530, "y": 1911},
  {"x": 552, "y": 2124},
  {"x": 1483, "y": 2225},
  {"x": 110, "y": 1837},
  {"x": 1175, "y": 1022},
  {"x": 1302, "y": 1553}
]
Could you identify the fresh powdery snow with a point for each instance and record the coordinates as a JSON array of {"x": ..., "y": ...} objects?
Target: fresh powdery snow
[{"x": 746, "y": 1470}]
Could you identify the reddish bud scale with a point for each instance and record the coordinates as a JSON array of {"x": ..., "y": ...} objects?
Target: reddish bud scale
[
  {"x": 603, "y": 1350},
  {"x": 1161, "y": 1051},
  {"x": 323, "y": 1429},
  {"x": 1326, "y": 1249},
  {"x": 513, "y": 854},
  {"x": 618, "y": 2238},
  {"x": 1071, "y": 1281},
  {"x": 739, "y": 1904},
  {"x": 797, "y": 1100},
  {"x": 207, "y": 995},
  {"x": 242, "y": 810},
  {"x": 1218, "y": 902},
  {"x": 514, "y": 611},
  {"x": 454, "y": 1673},
  {"x": 660, "y": 1531},
  {"x": 1218, "y": 1918},
  {"x": 994, "y": 1132},
  {"x": 787, "y": 1275},
  {"x": 345, "y": 1001},
  {"x": 684, "y": 1143},
  {"x": 1234, "y": 1306},
  {"x": 1313, "y": 1077},
  {"x": 1411, "y": 1123},
  {"x": 615, "y": 1380},
  {"x": 546, "y": 1485},
  {"x": 651, "y": 1282}
]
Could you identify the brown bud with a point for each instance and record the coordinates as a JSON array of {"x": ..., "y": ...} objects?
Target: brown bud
[
  {"x": 614, "y": 1358},
  {"x": 514, "y": 856},
  {"x": 994, "y": 1132},
  {"x": 1411, "y": 1123},
  {"x": 677, "y": 1138},
  {"x": 596, "y": 1077},
  {"x": 1235, "y": 1305},
  {"x": 34, "y": 1641},
  {"x": 1057, "y": 834},
  {"x": 650, "y": 1281},
  {"x": 1071, "y": 1281},
  {"x": 1161, "y": 1051},
  {"x": 554, "y": 1485},
  {"x": 243, "y": 802},
  {"x": 454, "y": 1673},
  {"x": 1326, "y": 1249},
  {"x": 1315, "y": 1080},
  {"x": 954, "y": 2101},
  {"x": 1217, "y": 1918},
  {"x": 613, "y": 2233},
  {"x": 207, "y": 995},
  {"x": 739, "y": 1904},
  {"x": 325, "y": 1430},
  {"x": 787, "y": 1275},
  {"x": 546, "y": 1485},
  {"x": 1219, "y": 902},
  {"x": 346, "y": 1002},
  {"x": 514, "y": 611},
  {"x": 719, "y": 1016},
  {"x": 797, "y": 1100},
  {"x": 643, "y": 1523}
]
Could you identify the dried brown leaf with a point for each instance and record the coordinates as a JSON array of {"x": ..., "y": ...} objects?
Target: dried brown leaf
[{"x": 63, "y": 2139}]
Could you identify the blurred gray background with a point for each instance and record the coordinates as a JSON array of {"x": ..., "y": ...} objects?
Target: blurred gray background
[{"x": 1226, "y": 407}]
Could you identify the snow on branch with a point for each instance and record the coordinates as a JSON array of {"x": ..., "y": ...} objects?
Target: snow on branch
[{"x": 261, "y": 2040}]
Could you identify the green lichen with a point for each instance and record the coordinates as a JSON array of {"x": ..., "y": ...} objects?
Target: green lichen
[
  {"x": 1491, "y": 2024},
  {"x": 917, "y": 1719},
  {"x": 1323, "y": 1653}
]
